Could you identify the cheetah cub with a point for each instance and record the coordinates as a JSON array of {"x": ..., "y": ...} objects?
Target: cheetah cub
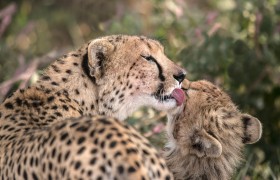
[{"x": 206, "y": 135}]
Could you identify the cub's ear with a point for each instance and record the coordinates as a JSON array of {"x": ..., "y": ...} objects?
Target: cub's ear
[
  {"x": 98, "y": 51},
  {"x": 204, "y": 144},
  {"x": 252, "y": 129}
]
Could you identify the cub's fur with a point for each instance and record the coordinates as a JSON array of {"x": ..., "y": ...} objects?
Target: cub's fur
[{"x": 207, "y": 134}]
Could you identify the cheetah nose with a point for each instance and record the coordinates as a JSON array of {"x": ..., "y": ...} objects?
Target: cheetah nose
[{"x": 180, "y": 76}]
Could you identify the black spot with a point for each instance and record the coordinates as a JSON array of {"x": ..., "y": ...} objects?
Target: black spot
[
  {"x": 67, "y": 155},
  {"x": 63, "y": 136},
  {"x": 131, "y": 66},
  {"x": 89, "y": 173},
  {"x": 103, "y": 169},
  {"x": 131, "y": 169},
  {"x": 105, "y": 121},
  {"x": 50, "y": 99},
  {"x": 131, "y": 150},
  {"x": 101, "y": 130},
  {"x": 93, "y": 161},
  {"x": 82, "y": 129},
  {"x": 92, "y": 133},
  {"x": 50, "y": 177},
  {"x": 54, "y": 83},
  {"x": 64, "y": 79},
  {"x": 54, "y": 107},
  {"x": 59, "y": 158},
  {"x": 145, "y": 152},
  {"x": 117, "y": 154},
  {"x": 46, "y": 78},
  {"x": 102, "y": 144},
  {"x": 19, "y": 169},
  {"x": 25, "y": 175},
  {"x": 81, "y": 140},
  {"x": 9, "y": 105},
  {"x": 75, "y": 55},
  {"x": 94, "y": 151},
  {"x": 34, "y": 176},
  {"x": 77, "y": 91},
  {"x": 108, "y": 136},
  {"x": 167, "y": 177},
  {"x": 113, "y": 144},
  {"x": 60, "y": 61},
  {"x": 152, "y": 161},
  {"x": 65, "y": 107},
  {"x": 120, "y": 169},
  {"x": 47, "y": 91},
  {"x": 77, "y": 165},
  {"x": 68, "y": 71},
  {"x": 75, "y": 64},
  {"x": 53, "y": 152},
  {"x": 118, "y": 38},
  {"x": 55, "y": 68},
  {"x": 18, "y": 101}
]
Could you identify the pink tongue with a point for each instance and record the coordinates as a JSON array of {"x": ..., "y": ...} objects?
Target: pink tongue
[{"x": 179, "y": 96}]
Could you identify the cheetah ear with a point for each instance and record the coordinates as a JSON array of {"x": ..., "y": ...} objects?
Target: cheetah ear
[
  {"x": 252, "y": 129},
  {"x": 98, "y": 51},
  {"x": 204, "y": 144}
]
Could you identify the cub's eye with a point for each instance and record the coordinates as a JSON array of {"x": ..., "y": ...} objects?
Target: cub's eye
[{"x": 148, "y": 58}]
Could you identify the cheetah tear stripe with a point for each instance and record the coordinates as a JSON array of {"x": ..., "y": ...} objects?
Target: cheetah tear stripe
[{"x": 179, "y": 96}]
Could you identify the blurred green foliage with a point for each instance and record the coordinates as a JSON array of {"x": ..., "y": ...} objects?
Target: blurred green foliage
[{"x": 234, "y": 43}]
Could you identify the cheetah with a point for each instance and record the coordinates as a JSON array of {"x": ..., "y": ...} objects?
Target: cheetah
[
  {"x": 62, "y": 126},
  {"x": 206, "y": 135}
]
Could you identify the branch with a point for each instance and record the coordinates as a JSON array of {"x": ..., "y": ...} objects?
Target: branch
[
  {"x": 6, "y": 16},
  {"x": 25, "y": 73}
]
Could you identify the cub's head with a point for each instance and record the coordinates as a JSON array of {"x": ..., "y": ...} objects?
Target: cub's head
[
  {"x": 133, "y": 71},
  {"x": 209, "y": 131}
]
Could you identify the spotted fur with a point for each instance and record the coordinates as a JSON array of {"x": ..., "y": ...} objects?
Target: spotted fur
[
  {"x": 52, "y": 130},
  {"x": 207, "y": 134}
]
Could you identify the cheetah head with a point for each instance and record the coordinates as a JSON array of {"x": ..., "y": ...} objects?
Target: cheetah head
[
  {"x": 133, "y": 71},
  {"x": 208, "y": 130}
]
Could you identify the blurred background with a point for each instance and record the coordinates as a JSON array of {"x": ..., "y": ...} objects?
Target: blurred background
[{"x": 233, "y": 43}]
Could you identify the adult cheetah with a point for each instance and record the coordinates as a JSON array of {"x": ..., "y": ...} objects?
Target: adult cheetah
[{"x": 53, "y": 129}]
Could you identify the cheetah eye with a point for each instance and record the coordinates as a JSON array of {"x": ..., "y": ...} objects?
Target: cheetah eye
[{"x": 148, "y": 58}]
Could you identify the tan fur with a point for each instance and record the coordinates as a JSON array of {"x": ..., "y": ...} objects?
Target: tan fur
[
  {"x": 207, "y": 134},
  {"x": 112, "y": 76}
]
